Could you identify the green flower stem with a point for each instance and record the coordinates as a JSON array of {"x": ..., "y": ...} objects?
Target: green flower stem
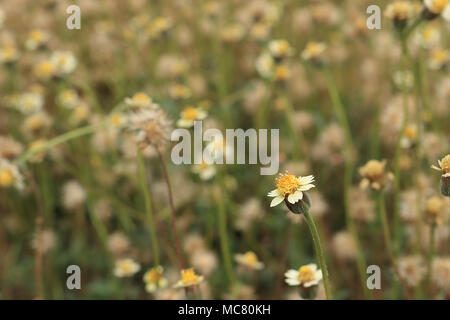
[
  {"x": 387, "y": 239},
  {"x": 60, "y": 139},
  {"x": 385, "y": 226},
  {"x": 430, "y": 256},
  {"x": 411, "y": 28},
  {"x": 319, "y": 253},
  {"x": 342, "y": 117},
  {"x": 148, "y": 208},
  {"x": 223, "y": 233}
]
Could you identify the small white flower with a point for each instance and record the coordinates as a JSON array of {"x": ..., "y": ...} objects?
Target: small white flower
[
  {"x": 306, "y": 276},
  {"x": 126, "y": 268}
]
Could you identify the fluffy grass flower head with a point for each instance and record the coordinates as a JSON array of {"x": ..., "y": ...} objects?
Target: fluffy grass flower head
[{"x": 152, "y": 127}]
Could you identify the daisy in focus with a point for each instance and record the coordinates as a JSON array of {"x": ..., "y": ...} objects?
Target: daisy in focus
[
  {"x": 290, "y": 188},
  {"x": 188, "y": 279},
  {"x": 307, "y": 276},
  {"x": 444, "y": 166}
]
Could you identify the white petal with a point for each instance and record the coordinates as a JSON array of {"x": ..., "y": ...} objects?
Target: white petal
[
  {"x": 319, "y": 275},
  {"x": 276, "y": 201},
  {"x": 292, "y": 282},
  {"x": 312, "y": 266},
  {"x": 273, "y": 193},
  {"x": 291, "y": 273},
  {"x": 306, "y": 187},
  {"x": 293, "y": 198},
  {"x": 310, "y": 283}
]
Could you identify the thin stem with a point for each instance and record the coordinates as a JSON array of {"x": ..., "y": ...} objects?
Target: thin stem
[
  {"x": 344, "y": 123},
  {"x": 224, "y": 239},
  {"x": 148, "y": 208},
  {"x": 430, "y": 256},
  {"x": 172, "y": 210},
  {"x": 387, "y": 239},
  {"x": 60, "y": 139},
  {"x": 319, "y": 253}
]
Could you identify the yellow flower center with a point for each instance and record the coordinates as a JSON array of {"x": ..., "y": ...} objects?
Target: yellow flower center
[
  {"x": 411, "y": 132},
  {"x": 45, "y": 68},
  {"x": 305, "y": 274},
  {"x": 152, "y": 276},
  {"x": 401, "y": 10},
  {"x": 190, "y": 113},
  {"x": 434, "y": 205},
  {"x": 6, "y": 178},
  {"x": 445, "y": 164},
  {"x": 250, "y": 258},
  {"x": 437, "y": 6},
  {"x": 126, "y": 266},
  {"x": 141, "y": 97},
  {"x": 281, "y": 72},
  {"x": 440, "y": 55},
  {"x": 287, "y": 184},
  {"x": 314, "y": 48},
  {"x": 116, "y": 120},
  {"x": 373, "y": 169},
  {"x": 36, "y": 35},
  {"x": 189, "y": 276}
]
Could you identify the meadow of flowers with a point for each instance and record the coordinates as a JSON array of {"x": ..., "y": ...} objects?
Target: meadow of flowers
[{"x": 359, "y": 208}]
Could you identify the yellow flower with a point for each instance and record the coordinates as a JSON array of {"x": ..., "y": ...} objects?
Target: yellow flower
[
  {"x": 68, "y": 98},
  {"x": 140, "y": 101},
  {"x": 282, "y": 73},
  {"x": 249, "y": 260},
  {"x": 434, "y": 210},
  {"x": 64, "y": 62},
  {"x": 36, "y": 38},
  {"x": 399, "y": 11},
  {"x": 291, "y": 188},
  {"x": 436, "y": 6},
  {"x": 179, "y": 91},
  {"x": 10, "y": 175},
  {"x": 154, "y": 279},
  {"x": 45, "y": 70},
  {"x": 306, "y": 276},
  {"x": 8, "y": 53},
  {"x": 188, "y": 279},
  {"x": 189, "y": 115},
  {"x": 444, "y": 166},
  {"x": 280, "y": 49},
  {"x": 438, "y": 58},
  {"x": 374, "y": 175},
  {"x": 118, "y": 120},
  {"x": 126, "y": 268},
  {"x": 314, "y": 51}
]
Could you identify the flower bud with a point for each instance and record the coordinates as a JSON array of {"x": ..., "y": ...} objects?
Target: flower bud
[
  {"x": 300, "y": 207},
  {"x": 309, "y": 293},
  {"x": 445, "y": 186}
]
